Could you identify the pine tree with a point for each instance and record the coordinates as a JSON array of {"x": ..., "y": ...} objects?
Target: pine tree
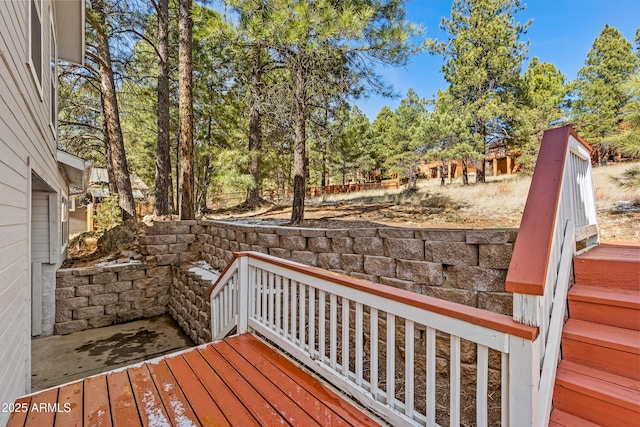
[
  {"x": 541, "y": 100},
  {"x": 115, "y": 151},
  {"x": 185, "y": 66},
  {"x": 484, "y": 57},
  {"x": 598, "y": 96}
]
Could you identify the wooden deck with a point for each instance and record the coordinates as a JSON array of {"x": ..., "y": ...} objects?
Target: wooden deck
[{"x": 238, "y": 381}]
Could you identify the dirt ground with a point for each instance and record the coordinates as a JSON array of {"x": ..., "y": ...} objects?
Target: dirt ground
[{"x": 497, "y": 204}]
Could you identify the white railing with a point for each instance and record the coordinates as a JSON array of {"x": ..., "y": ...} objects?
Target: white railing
[
  {"x": 559, "y": 212},
  {"x": 401, "y": 354}
]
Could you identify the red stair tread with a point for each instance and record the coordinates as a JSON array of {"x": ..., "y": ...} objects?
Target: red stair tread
[
  {"x": 598, "y": 388},
  {"x": 627, "y": 251},
  {"x": 563, "y": 419},
  {"x": 621, "y": 339},
  {"x": 610, "y": 296},
  {"x": 615, "y": 265},
  {"x": 598, "y": 374}
]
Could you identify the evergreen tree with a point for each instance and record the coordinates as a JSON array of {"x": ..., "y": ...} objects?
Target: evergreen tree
[
  {"x": 541, "y": 102},
  {"x": 405, "y": 149},
  {"x": 185, "y": 80},
  {"x": 329, "y": 49},
  {"x": 484, "y": 57},
  {"x": 598, "y": 96},
  {"x": 115, "y": 152}
]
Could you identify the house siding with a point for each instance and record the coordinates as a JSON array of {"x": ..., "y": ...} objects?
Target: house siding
[{"x": 27, "y": 147}]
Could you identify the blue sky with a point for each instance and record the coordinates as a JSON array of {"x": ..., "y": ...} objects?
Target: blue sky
[{"x": 562, "y": 33}]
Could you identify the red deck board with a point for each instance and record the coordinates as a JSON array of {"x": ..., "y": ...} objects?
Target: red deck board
[
  {"x": 176, "y": 404},
  {"x": 232, "y": 408},
  {"x": 147, "y": 398},
  {"x": 97, "y": 410},
  {"x": 346, "y": 412},
  {"x": 42, "y": 415},
  {"x": 70, "y": 402},
  {"x": 123, "y": 406},
  {"x": 256, "y": 403},
  {"x": 19, "y": 417},
  {"x": 279, "y": 400},
  {"x": 205, "y": 408},
  {"x": 239, "y": 381}
]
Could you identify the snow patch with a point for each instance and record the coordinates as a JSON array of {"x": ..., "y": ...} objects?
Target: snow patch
[
  {"x": 178, "y": 409},
  {"x": 155, "y": 415},
  {"x": 116, "y": 264},
  {"x": 205, "y": 271}
]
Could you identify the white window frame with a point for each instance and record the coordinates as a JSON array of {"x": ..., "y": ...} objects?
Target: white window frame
[
  {"x": 53, "y": 54},
  {"x": 39, "y": 6},
  {"x": 64, "y": 222}
]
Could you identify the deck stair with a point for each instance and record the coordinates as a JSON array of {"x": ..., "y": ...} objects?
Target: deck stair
[{"x": 598, "y": 379}]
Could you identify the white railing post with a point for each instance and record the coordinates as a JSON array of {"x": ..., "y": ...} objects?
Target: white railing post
[
  {"x": 524, "y": 376},
  {"x": 243, "y": 295}
]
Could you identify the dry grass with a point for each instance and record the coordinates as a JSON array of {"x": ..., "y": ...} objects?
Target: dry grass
[{"x": 497, "y": 204}]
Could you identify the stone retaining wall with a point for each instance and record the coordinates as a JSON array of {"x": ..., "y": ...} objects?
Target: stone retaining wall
[
  {"x": 465, "y": 266},
  {"x": 189, "y": 303},
  {"x": 94, "y": 297}
]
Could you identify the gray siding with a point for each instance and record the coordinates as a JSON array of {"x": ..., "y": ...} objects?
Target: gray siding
[
  {"x": 78, "y": 220},
  {"x": 27, "y": 144},
  {"x": 40, "y": 227}
]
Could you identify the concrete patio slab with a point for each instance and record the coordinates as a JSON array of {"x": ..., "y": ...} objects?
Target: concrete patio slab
[{"x": 60, "y": 359}]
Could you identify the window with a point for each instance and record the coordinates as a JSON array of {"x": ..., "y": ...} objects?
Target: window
[
  {"x": 54, "y": 78},
  {"x": 64, "y": 219},
  {"x": 35, "y": 41}
]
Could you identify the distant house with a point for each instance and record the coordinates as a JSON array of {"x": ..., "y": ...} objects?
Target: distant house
[
  {"x": 450, "y": 168},
  {"x": 34, "y": 175},
  {"x": 85, "y": 205},
  {"x": 501, "y": 161}
]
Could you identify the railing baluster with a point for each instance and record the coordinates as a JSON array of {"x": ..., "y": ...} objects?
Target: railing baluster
[
  {"x": 504, "y": 391},
  {"x": 322, "y": 325},
  {"x": 345, "y": 336},
  {"x": 408, "y": 368},
  {"x": 216, "y": 317},
  {"x": 278, "y": 325},
  {"x": 302, "y": 311},
  {"x": 225, "y": 296},
  {"x": 431, "y": 376},
  {"x": 333, "y": 331},
  {"x": 285, "y": 314},
  {"x": 454, "y": 387},
  {"x": 258, "y": 312},
  {"x": 312, "y": 321},
  {"x": 482, "y": 367},
  {"x": 293, "y": 307},
  {"x": 265, "y": 294},
  {"x": 252, "y": 291},
  {"x": 271, "y": 299},
  {"x": 358, "y": 340},
  {"x": 373, "y": 351},
  {"x": 391, "y": 360}
]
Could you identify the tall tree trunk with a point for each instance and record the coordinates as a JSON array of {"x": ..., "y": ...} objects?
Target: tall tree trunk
[
  {"x": 163, "y": 158},
  {"x": 480, "y": 171},
  {"x": 465, "y": 173},
  {"x": 118, "y": 158},
  {"x": 111, "y": 178},
  {"x": 255, "y": 119},
  {"x": 185, "y": 67},
  {"x": 481, "y": 165},
  {"x": 299, "y": 158}
]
